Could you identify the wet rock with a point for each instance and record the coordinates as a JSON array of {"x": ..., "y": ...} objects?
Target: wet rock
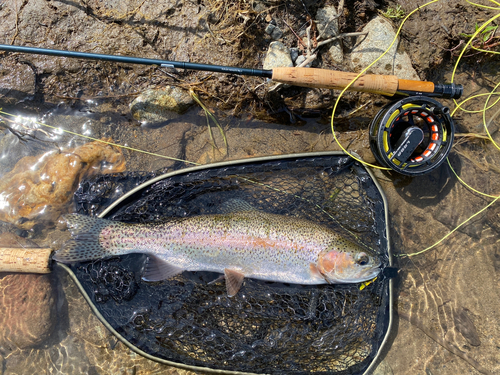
[
  {"x": 277, "y": 55},
  {"x": 155, "y": 107},
  {"x": 383, "y": 368},
  {"x": 40, "y": 188},
  {"x": 65, "y": 357},
  {"x": 371, "y": 46},
  {"x": 329, "y": 28},
  {"x": 465, "y": 326},
  {"x": 17, "y": 82},
  {"x": 294, "y": 53},
  {"x": 27, "y": 310}
]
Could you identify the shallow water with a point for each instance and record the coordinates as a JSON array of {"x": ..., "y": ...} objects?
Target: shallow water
[{"x": 448, "y": 297}]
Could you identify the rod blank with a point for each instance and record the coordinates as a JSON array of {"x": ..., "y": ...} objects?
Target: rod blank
[
  {"x": 138, "y": 60},
  {"x": 305, "y": 77}
]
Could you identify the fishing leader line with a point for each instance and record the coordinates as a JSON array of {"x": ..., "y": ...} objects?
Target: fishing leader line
[
  {"x": 485, "y": 124},
  {"x": 190, "y": 162},
  {"x": 335, "y": 106}
]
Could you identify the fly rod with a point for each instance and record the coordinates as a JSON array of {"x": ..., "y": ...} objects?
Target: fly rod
[{"x": 388, "y": 85}]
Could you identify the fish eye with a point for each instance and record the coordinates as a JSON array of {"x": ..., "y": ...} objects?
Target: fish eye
[{"x": 362, "y": 259}]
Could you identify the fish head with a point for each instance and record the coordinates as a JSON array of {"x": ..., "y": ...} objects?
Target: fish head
[{"x": 352, "y": 266}]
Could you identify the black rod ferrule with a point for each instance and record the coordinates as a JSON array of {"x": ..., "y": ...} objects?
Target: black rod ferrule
[{"x": 139, "y": 60}]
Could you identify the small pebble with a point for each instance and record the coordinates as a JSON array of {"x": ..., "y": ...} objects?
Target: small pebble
[
  {"x": 276, "y": 33},
  {"x": 270, "y": 28},
  {"x": 300, "y": 60}
]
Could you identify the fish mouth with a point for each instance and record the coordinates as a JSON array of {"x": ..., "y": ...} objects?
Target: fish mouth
[
  {"x": 370, "y": 272},
  {"x": 365, "y": 275}
]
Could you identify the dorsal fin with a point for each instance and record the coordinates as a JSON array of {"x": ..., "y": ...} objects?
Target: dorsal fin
[{"x": 236, "y": 205}]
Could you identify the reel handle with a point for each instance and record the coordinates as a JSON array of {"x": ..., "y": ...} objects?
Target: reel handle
[
  {"x": 373, "y": 83},
  {"x": 31, "y": 260}
]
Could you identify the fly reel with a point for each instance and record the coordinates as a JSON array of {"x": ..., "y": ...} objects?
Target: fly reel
[{"x": 412, "y": 136}]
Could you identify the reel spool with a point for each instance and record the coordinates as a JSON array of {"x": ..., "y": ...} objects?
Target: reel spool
[{"x": 412, "y": 136}]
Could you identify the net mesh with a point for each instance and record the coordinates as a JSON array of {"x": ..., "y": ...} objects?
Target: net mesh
[{"x": 267, "y": 327}]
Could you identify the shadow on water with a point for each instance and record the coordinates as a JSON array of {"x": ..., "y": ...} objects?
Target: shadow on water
[{"x": 430, "y": 189}]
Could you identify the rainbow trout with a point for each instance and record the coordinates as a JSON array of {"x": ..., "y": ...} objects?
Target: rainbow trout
[{"x": 245, "y": 243}]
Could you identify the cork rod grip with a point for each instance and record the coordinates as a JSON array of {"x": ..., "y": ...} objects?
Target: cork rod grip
[
  {"x": 331, "y": 79},
  {"x": 35, "y": 260}
]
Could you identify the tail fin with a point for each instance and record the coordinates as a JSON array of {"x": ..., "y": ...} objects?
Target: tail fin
[{"x": 84, "y": 245}]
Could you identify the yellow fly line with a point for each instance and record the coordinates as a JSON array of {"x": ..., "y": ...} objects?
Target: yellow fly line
[
  {"x": 458, "y": 107},
  {"x": 363, "y": 72},
  {"x": 93, "y": 139},
  {"x": 489, "y": 95}
]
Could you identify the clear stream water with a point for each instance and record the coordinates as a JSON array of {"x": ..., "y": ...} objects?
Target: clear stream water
[{"x": 448, "y": 297}]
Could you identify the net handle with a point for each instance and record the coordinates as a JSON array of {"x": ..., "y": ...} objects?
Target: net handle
[{"x": 25, "y": 260}]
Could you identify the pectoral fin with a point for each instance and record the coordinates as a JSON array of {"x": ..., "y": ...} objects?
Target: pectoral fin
[
  {"x": 234, "y": 279},
  {"x": 157, "y": 269}
]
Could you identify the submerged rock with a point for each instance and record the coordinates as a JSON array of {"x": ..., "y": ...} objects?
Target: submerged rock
[
  {"x": 65, "y": 357},
  {"x": 155, "y": 107},
  {"x": 40, "y": 188},
  {"x": 105, "y": 353},
  {"x": 383, "y": 368},
  {"x": 329, "y": 28},
  {"x": 371, "y": 46},
  {"x": 27, "y": 310},
  {"x": 465, "y": 326},
  {"x": 277, "y": 55},
  {"x": 27, "y": 304}
]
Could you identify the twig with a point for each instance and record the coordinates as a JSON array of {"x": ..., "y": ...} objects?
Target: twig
[
  {"x": 307, "y": 61},
  {"x": 18, "y": 133},
  {"x": 344, "y": 35},
  {"x": 356, "y": 109},
  {"x": 23, "y": 4},
  {"x": 471, "y": 135},
  {"x": 328, "y": 24},
  {"x": 448, "y": 49},
  {"x": 308, "y": 33},
  {"x": 340, "y": 8},
  {"x": 294, "y": 33}
]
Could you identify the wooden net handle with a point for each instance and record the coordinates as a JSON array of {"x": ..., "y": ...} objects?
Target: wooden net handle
[
  {"x": 34, "y": 260},
  {"x": 331, "y": 79}
]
